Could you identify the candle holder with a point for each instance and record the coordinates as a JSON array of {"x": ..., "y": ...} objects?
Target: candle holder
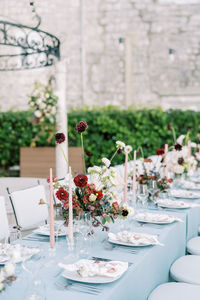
[{"x": 71, "y": 256}]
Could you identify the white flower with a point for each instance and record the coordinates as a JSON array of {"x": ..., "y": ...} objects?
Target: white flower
[
  {"x": 178, "y": 169},
  {"x": 180, "y": 139},
  {"x": 9, "y": 269},
  {"x": 120, "y": 145},
  {"x": 47, "y": 95},
  {"x": 42, "y": 105},
  {"x": 38, "y": 114},
  {"x": 128, "y": 149},
  {"x": 94, "y": 169},
  {"x": 39, "y": 101},
  {"x": 1, "y": 286},
  {"x": 106, "y": 162},
  {"x": 32, "y": 103},
  {"x": 15, "y": 255},
  {"x": 92, "y": 197}
]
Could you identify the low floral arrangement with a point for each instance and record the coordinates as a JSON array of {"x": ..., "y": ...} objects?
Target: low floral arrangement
[
  {"x": 7, "y": 275},
  {"x": 93, "y": 193},
  {"x": 42, "y": 104},
  {"x": 151, "y": 173},
  {"x": 179, "y": 161}
]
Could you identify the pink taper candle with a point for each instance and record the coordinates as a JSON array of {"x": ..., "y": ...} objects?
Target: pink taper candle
[
  {"x": 134, "y": 177},
  {"x": 165, "y": 161},
  {"x": 125, "y": 177},
  {"x": 189, "y": 148},
  {"x": 51, "y": 212},
  {"x": 70, "y": 226}
]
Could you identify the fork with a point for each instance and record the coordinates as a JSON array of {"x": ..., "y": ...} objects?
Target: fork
[
  {"x": 84, "y": 288},
  {"x": 122, "y": 248}
]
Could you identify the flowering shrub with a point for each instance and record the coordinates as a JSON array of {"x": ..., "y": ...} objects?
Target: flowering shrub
[{"x": 42, "y": 103}]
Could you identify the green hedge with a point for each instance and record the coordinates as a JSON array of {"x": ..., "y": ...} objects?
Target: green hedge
[{"x": 146, "y": 128}]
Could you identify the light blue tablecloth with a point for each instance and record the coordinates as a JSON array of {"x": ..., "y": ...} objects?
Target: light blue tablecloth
[{"x": 150, "y": 267}]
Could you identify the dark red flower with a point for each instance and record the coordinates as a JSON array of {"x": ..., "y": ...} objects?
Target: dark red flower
[
  {"x": 160, "y": 151},
  {"x": 170, "y": 180},
  {"x": 81, "y": 180},
  {"x": 189, "y": 127},
  {"x": 124, "y": 212},
  {"x": 59, "y": 138},
  {"x": 119, "y": 151},
  {"x": 81, "y": 127},
  {"x": 88, "y": 153},
  {"x": 169, "y": 126},
  {"x": 180, "y": 160},
  {"x": 178, "y": 147},
  {"x": 62, "y": 194},
  {"x": 99, "y": 195}
]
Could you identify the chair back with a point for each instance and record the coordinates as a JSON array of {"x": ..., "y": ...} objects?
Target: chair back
[
  {"x": 4, "y": 227},
  {"x": 28, "y": 211}
]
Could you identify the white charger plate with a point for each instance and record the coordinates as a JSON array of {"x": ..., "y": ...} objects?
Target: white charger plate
[
  {"x": 73, "y": 275},
  {"x": 130, "y": 244},
  {"x": 154, "y": 221},
  {"x": 186, "y": 205},
  {"x": 47, "y": 233}
]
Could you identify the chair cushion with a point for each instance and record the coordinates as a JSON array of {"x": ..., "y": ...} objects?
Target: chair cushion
[
  {"x": 175, "y": 291},
  {"x": 27, "y": 209},
  {"x": 186, "y": 269},
  {"x": 193, "y": 246}
]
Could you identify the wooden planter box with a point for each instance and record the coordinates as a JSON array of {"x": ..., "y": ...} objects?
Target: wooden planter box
[{"x": 35, "y": 162}]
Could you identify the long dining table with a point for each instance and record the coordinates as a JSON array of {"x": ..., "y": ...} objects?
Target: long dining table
[{"x": 148, "y": 266}]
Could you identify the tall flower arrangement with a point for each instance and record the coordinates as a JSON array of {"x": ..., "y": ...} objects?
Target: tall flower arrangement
[
  {"x": 42, "y": 104},
  {"x": 93, "y": 193}
]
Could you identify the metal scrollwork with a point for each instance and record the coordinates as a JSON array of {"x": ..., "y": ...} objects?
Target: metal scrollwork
[{"x": 26, "y": 47}]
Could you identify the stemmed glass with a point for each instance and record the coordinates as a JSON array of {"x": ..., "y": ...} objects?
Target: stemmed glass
[
  {"x": 152, "y": 189},
  {"x": 142, "y": 194}
]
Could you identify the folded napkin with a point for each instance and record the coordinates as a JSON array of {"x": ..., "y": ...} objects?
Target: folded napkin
[
  {"x": 134, "y": 238},
  {"x": 173, "y": 203},
  {"x": 151, "y": 217},
  {"x": 184, "y": 193},
  {"x": 90, "y": 268}
]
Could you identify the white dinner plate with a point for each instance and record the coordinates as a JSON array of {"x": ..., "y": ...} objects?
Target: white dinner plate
[
  {"x": 6, "y": 259},
  {"x": 130, "y": 244},
  {"x": 47, "y": 233},
  {"x": 176, "y": 206},
  {"x": 73, "y": 275}
]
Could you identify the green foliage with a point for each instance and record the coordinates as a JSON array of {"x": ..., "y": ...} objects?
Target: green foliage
[{"x": 145, "y": 127}]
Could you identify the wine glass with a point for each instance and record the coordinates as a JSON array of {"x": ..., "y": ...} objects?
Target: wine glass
[
  {"x": 142, "y": 194},
  {"x": 152, "y": 189}
]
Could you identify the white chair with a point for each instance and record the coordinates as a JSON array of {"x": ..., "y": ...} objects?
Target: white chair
[
  {"x": 27, "y": 210},
  {"x": 4, "y": 227},
  {"x": 186, "y": 269},
  {"x": 176, "y": 291},
  {"x": 193, "y": 246},
  {"x": 199, "y": 230}
]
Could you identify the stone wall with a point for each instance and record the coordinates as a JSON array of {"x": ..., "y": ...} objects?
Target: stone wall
[{"x": 119, "y": 52}]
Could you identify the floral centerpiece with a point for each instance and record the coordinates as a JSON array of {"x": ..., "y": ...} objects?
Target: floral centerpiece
[
  {"x": 93, "y": 194},
  {"x": 42, "y": 104},
  {"x": 7, "y": 275},
  {"x": 179, "y": 161},
  {"x": 150, "y": 172}
]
